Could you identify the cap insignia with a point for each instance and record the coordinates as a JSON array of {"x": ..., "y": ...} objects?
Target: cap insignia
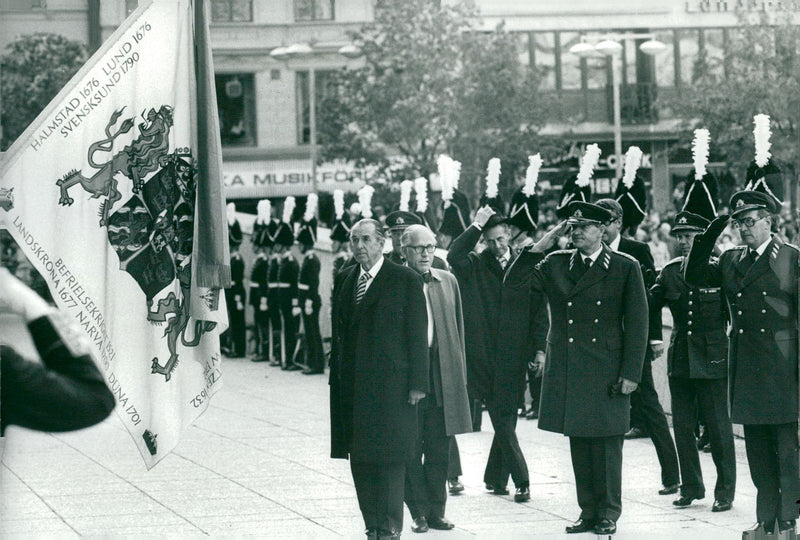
[
  {"x": 577, "y": 214},
  {"x": 400, "y": 221},
  {"x": 682, "y": 220},
  {"x": 739, "y": 203}
]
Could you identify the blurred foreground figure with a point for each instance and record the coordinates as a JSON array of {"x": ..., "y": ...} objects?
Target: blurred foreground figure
[{"x": 66, "y": 391}]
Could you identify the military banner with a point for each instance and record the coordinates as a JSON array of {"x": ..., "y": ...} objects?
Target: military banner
[{"x": 116, "y": 200}]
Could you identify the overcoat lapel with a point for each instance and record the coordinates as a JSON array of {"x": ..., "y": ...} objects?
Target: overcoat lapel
[
  {"x": 757, "y": 268},
  {"x": 346, "y": 298},
  {"x": 372, "y": 295},
  {"x": 595, "y": 273}
]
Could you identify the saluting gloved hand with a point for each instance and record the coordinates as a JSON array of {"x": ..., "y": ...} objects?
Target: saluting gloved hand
[
  {"x": 551, "y": 237},
  {"x": 20, "y": 299},
  {"x": 713, "y": 231}
]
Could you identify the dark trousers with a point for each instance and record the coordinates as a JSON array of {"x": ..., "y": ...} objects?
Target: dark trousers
[
  {"x": 476, "y": 411},
  {"x": 505, "y": 455},
  {"x": 235, "y": 337},
  {"x": 261, "y": 320},
  {"x": 711, "y": 397},
  {"x": 597, "y": 464},
  {"x": 535, "y": 388},
  {"x": 772, "y": 457},
  {"x": 380, "y": 487},
  {"x": 289, "y": 330},
  {"x": 454, "y": 462},
  {"x": 315, "y": 359},
  {"x": 276, "y": 325},
  {"x": 426, "y": 482},
  {"x": 644, "y": 401}
]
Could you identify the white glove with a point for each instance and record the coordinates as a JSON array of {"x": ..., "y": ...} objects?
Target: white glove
[
  {"x": 309, "y": 307},
  {"x": 296, "y": 311},
  {"x": 20, "y": 299}
]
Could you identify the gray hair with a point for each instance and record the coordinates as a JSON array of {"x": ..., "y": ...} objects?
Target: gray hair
[
  {"x": 411, "y": 230},
  {"x": 612, "y": 206},
  {"x": 369, "y": 221}
]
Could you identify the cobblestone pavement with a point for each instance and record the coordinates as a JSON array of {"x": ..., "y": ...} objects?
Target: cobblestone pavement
[{"x": 257, "y": 463}]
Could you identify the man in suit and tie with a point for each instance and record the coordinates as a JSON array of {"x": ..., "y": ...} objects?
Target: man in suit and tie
[
  {"x": 595, "y": 350},
  {"x": 499, "y": 341},
  {"x": 444, "y": 412},
  {"x": 646, "y": 411},
  {"x": 378, "y": 373},
  {"x": 760, "y": 283}
]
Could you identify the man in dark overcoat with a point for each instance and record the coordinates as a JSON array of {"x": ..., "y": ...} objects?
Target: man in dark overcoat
[
  {"x": 444, "y": 412},
  {"x": 595, "y": 350},
  {"x": 378, "y": 373},
  {"x": 697, "y": 365},
  {"x": 760, "y": 282},
  {"x": 501, "y": 337},
  {"x": 646, "y": 411}
]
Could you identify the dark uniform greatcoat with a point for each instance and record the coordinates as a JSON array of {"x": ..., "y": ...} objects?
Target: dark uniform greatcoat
[
  {"x": 762, "y": 298},
  {"x": 598, "y": 333}
]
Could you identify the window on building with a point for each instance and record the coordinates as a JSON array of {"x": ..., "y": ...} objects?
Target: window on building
[
  {"x": 323, "y": 85},
  {"x": 665, "y": 61},
  {"x": 231, "y": 10},
  {"x": 714, "y": 50},
  {"x": 237, "y": 113},
  {"x": 313, "y": 10},
  {"x": 690, "y": 61},
  {"x": 597, "y": 72},
  {"x": 543, "y": 52},
  {"x": 523, "y": 50},
  {"x": 570, "y": 63}
]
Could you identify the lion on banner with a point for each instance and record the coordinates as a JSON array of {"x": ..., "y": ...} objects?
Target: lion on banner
[{"x": 144, "y": 155}]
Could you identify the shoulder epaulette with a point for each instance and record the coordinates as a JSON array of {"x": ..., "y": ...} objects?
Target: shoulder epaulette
[
  {"x": 561, "y": 252},
  {"x": 676, "y": 260},
  {"x": 629, "y": 257}
]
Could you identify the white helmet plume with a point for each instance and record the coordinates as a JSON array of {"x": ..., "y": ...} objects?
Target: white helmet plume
[
  {"x": 761, "y": 134},
  {"x": 492, "y": 178},
  {"x": 405, "y": 194},
  {"x": 532, "y": 175},
  {"x": 633, "y": 160},
  {"x": 421, "y": 191},
  {"x": 588, "y": 163}
]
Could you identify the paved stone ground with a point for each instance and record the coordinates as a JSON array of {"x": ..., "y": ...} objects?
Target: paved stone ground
[{"x": 257, "y": 463}]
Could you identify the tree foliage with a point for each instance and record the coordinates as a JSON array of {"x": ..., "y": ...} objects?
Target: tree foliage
[
  {"x": 33, "y": 69},
  {"x": 759, "y": 74},
  {"x": 430, "y": 84}
]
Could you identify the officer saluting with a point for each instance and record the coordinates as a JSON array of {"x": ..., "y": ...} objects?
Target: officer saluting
[
  {"x": 697, "y": 359},
  {"x": 760, "y": 281},
  {"x": 595, "y": 350}
]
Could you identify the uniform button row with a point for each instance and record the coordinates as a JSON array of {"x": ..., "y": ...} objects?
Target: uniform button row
[
  {"x": 689, "y": 332},
  {"x": 690, "y": 302},
  {"x": 690, "y": 313},
  {"x": 571, "y": 340}
]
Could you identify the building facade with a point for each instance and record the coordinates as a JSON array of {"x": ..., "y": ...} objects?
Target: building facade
[{"x": 264, "y": 102}]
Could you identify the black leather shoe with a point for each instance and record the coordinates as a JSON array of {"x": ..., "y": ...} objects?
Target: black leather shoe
[
  {"x": 581, "y": 526},
  {"x": 533, "y": 414},
  {"x": 389, "y": 535},
  {"x": 684, "y": 500},
  {"x": 636, "y": 433},
  {"x": 767, "y": 527},
  {"x": 605, "y": 526},
  {"x": 522, "y": 495},
  {"x": 292, "y": 367},
  {"x": 456, "y": 486},
  {"x": 489, "y": 487},
  {"x": 312, "y": 371},
  {"x": 670, "y": 490},
  {"x": 440, "y": 524},
  {"x": 420, "y": 525},
  {"x": 259, "y": 359},
  {"x": 721, "y": 506},
  {"x": 500, "y": 490},
  {"x": 372, "y": 534},
  {"x": 786, "y": 525}
]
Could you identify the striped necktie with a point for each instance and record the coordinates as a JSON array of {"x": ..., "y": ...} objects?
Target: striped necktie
[{"x": 362, "y": 287}]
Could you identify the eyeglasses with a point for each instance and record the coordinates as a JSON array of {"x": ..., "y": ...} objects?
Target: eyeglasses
[
  {"x": 746, "y": 222},
  {"x": 430, "y": 248}
]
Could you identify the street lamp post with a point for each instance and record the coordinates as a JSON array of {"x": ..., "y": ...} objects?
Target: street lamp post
[
  {"x": 303, "y": 50},
  {"x": 611, "y": 47}
]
